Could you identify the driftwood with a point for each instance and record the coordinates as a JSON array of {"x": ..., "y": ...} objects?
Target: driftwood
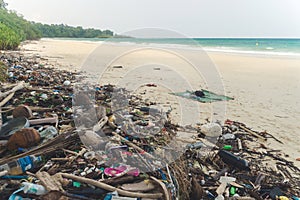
[
  {"x": 111, "y": 188},
  {"x": 121, "y": 180},
  {"x": 6, "y": 99},
  {"x": 252, "y": 133},
  {"x": 20, "y": 86},
  {"x": 163, "y": 186},
  {"x": 49, "y": 182},
  {"x": 50, "y": 120}
]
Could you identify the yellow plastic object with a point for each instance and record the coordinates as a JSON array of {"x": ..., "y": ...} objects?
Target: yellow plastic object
[{"x": 283, "y": 198}]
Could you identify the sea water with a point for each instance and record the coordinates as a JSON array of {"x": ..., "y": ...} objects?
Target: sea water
[{"x": 262, "y": 46}]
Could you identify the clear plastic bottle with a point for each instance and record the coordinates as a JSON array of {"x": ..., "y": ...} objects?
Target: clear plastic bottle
[
  {"x": 21, "y": 165},
  {"x": 31, "y": 188}
]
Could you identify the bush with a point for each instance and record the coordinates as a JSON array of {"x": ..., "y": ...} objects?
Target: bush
[{"x": 8, "y": 38}]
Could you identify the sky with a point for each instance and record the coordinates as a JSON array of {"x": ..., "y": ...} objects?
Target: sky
[{"x": 191, "y": 18}]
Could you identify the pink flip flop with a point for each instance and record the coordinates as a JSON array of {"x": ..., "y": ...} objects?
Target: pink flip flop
[{"x": 121, "y": 170}]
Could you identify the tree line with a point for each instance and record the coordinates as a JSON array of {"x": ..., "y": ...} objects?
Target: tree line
[
  {"x": 62, "y": 30},
  {"x": 15, "y": 29}
]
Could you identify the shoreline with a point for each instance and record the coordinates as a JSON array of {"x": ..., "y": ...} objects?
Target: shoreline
[
  {"x": 265, "y": 89},
  {"x": 223, "y": 50}
]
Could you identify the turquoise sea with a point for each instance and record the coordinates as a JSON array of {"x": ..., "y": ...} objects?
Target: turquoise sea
[{"x": 263, "y": 46}]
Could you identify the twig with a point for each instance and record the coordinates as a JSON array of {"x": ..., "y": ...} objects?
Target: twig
[
  {"x": 111, "y": 188},
  {"x": 252, "y": 133}
]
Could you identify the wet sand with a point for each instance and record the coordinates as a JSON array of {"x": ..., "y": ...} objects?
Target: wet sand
[{"x": 266, "y": 89}]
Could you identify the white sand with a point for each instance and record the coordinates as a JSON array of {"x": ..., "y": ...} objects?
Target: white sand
[{"x": 266, "y": 89}]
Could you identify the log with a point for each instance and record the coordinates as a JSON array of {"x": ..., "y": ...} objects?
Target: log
[{"x": 111, "y": 188}]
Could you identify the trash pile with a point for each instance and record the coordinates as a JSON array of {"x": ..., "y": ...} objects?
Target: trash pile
[{"x": 59, "y": 140}]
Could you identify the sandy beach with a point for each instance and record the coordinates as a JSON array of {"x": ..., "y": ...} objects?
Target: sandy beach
[{"x": 266, "y": 89}]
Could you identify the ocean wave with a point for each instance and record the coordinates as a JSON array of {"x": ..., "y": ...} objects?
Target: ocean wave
[
  {"x": 194, "y": 45},
  {"x": 269, "y": 48},
  {"x": 221, "y": 49}
]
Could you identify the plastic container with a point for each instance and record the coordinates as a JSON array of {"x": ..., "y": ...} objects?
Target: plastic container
[
  {"x": 31, "y": 188},
  {"x": 233, "y": 160},
  {"x": 228, "y": 136},
  {"x": 211, "y": 129},
  {"x": 21, "y": 165},
  {"x": 227, "y": 147},
  {"x": 196, "y": 145},
  {"x": 227, "y": 179}
]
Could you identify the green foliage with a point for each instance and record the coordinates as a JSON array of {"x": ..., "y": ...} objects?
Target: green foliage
[
  {"x": 61, "y": 30},
  {"x": 8, "y": 38},
  {"x": 14, "y": 29}
]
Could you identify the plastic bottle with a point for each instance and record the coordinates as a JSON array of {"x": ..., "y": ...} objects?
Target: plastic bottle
[
  {"x": 21, "y": 165},
  {"x": 233, "y": 160},
  {"x": 31, "y": 188},
  {"x": 48, "y": 133},
  {"x": 227, "y": 179},
  {"x": 228, "y": 136},
  {"x": 196, "y": 145}
]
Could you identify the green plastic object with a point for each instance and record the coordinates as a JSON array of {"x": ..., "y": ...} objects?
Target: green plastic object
[
  {"x": 232, "y": 190},
  {"x": 76, "y": 184},
  {"x": 227, "y": 147},
  {"x": 207, "y": 98}
]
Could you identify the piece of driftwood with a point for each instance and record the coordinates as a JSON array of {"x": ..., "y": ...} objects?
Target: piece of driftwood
[
  {"x": 142, "y": 186},
  {"x": 252, "y": 133},
  {"x": 50, "y": 120},
  {"x": 120, "y": 180},
  {"x": 49, "y": 182},
  {"x": 163, "y": 186},
  {"x": 6, "y": 99},
  {"x": 111, "y": 188},
  {"x": 8, "y": 86},
  {"x": 221, "y": 189},
  {"x": 20, "y": 86}
]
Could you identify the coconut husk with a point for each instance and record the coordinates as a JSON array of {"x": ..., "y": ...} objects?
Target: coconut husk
[{"x": 24, "y": 138}]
